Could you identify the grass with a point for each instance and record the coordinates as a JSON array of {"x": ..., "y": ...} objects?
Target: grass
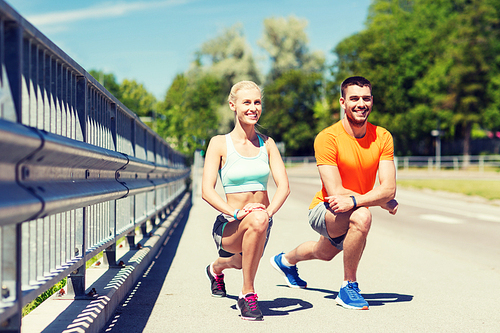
[{"x": 489, "y": 189}]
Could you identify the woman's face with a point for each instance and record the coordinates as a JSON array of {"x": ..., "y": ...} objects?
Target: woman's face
[{"x": 248, "y": 106}]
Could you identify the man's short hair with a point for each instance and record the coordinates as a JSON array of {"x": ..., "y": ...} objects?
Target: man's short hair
[{"x": 355, "y": 80}]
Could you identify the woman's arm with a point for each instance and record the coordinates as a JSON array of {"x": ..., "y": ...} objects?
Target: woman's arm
[
  {"x": 213, "y": 160},
  {"x": 280, "y": 177}
]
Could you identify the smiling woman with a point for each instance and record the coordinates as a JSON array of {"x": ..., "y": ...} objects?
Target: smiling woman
[{"x": 243, "y": 159}]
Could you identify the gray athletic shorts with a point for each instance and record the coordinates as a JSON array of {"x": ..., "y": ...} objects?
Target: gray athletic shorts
[
  {"x": 218, "y": 229},
  {"x": 318, "y": 223}
]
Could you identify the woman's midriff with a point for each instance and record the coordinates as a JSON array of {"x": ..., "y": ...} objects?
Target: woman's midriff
[{"x": 239, "y": 200}]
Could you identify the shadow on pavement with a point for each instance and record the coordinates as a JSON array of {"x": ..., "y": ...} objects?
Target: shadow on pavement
[
  {"x": 377, "y": 299},
  {"x": 133, "y": 313}
]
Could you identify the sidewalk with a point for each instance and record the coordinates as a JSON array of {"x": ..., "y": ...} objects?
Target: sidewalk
[{"x": 406, "y": 284}]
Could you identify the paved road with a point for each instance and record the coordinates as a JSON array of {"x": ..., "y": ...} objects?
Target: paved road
[{"x": 434, "y": 267}]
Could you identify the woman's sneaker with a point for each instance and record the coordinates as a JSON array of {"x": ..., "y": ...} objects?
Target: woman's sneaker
[
  {"x": 289, "y": 273},
  {"x": 350, "y": 298},
  {"x": 216, "y": 283},
  {"x": 249, "y": 307}
]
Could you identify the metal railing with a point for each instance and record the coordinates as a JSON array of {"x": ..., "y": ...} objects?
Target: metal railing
[
  {"x": 78, "y": 170},
  {"x": 459, "y": 162}
]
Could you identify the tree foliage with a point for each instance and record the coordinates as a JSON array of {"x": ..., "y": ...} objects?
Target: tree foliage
[
  {"x": 293, "y": 102},
  {"x": 289, "y": 114},
  {"x": 132, "y": 94},
  {"x": 432, "y": 63},
  {"x": 285, "y": 40},
  {"x": 190, "y": 112}
]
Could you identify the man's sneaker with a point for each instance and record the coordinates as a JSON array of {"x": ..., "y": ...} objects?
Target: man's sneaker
[
  {"x": 289, "y": 273},
  {"x": 249, "y": 307},
  {"x": 350, "y": 298},
  {"x": 217, "y": 284}
]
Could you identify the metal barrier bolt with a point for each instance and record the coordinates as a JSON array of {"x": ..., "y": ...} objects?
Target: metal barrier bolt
[
  {"x": 25, "y": 172},
  {"x": 5, "y": 292}
]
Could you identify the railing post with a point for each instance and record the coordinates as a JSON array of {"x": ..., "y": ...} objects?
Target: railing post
[
  {"x": 11, "y": 271},
  {"x": 76, "y": 280},
  {"x": 131, "y": 239},
  {"x": 109, "y": 256},
  {"x": 13, "y": 65}
]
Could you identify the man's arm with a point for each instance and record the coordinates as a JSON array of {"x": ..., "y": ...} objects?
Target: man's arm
[{"x": 340, "y": 199}]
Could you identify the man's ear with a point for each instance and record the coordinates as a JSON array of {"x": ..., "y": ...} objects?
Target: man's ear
[{"x": 342, "y": 102}]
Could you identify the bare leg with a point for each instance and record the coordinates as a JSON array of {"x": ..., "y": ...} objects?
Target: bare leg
[
  {"x": 322, "y": 250},
  {"x": 247, "y": 236},
  {"x": 223, "y": 263},
  {"x": 355, "y": 242}
]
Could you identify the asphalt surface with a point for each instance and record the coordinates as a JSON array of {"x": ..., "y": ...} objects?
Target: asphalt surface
[{"x": 434, "y": 267}]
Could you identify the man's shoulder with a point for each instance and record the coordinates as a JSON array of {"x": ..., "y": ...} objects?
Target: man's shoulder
[
  {"x": 332, "y": 130},
  {"x": 378, "y": 130}
]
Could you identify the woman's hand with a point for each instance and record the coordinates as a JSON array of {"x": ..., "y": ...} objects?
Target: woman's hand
[{"x": 248, "y": 208}]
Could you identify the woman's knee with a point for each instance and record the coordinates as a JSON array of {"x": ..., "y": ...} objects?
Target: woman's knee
[
  {"x": 361, "y": 219},
  {"x": 258, "y": 221}
]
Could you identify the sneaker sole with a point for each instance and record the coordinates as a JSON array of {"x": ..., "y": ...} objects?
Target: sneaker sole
[
  {"x": 276, "y": 267},
  {"x": 342, "y": 304},
  {"x": 208, "y": 277}
]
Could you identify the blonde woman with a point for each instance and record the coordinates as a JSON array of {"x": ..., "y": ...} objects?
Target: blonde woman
[{"x": 244, "y": 159}]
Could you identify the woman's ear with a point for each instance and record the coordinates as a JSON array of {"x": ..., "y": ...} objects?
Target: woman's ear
[{"x": 232, "y": 106}]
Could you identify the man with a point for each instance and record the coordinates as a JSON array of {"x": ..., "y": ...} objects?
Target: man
[{"x": 348, "y": 154}]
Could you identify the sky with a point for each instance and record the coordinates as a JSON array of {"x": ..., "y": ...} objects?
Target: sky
[{"x": 151, "y": 41}]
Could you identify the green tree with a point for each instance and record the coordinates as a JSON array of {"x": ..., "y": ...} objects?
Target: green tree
[
  {"x": 289, "y": 115},
  {"x": 286, "y": 42},
  {"x": 189, "y": 112},
  {"x": 227, "y": 57},
  {"x": 294, "y": 106},
  {"x": 135, "y": 97},
  {"x": 431, "y": 62},
  {"x": 108, "y": 81}
]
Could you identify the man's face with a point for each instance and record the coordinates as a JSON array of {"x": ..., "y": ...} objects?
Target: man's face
[{"x": 357, "y": 103}]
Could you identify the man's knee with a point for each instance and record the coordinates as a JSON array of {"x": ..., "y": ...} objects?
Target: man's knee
[{"x": 361, "y": 219}]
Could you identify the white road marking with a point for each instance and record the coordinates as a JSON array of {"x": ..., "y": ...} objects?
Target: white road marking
[
  {"x": 441, "y": 219},
  {"x": 484, "y": 217}
]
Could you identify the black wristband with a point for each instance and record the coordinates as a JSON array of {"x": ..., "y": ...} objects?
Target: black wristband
[{"x": 354, "y": 200}]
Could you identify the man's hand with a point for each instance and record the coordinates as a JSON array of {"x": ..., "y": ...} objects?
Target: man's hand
[
  {"x": 340, "y": 203},
  {"x": 391, "y": 206}
]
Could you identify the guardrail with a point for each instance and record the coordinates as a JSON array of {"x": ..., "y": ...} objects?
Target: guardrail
[
  {"x": 461, "y": 162},
  {"x": 78, "y": 170}
]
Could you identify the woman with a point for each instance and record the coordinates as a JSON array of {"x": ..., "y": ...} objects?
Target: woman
[{"x": 243, "y": 158}]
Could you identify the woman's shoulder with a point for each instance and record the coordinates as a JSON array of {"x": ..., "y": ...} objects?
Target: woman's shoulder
[
  {"x": 217, "y": 139},
  {"x": 265, "y": 138}
]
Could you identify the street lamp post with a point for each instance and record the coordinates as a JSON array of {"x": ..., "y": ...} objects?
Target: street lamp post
[{"x": 437, "y": 134}]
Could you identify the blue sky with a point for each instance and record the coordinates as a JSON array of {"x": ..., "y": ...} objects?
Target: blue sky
[{"x": 151, "y": 41}]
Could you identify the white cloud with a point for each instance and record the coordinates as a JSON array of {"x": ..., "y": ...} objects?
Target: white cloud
[{"x": 105, "y": 10}]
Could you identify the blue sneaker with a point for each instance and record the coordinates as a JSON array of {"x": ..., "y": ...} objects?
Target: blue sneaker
[
  {"x": 289, "y": 273},
  {"x": 350, "y": 298}
]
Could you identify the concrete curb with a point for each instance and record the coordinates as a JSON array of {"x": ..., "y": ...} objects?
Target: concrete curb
[{"x": 112, "y": 286}]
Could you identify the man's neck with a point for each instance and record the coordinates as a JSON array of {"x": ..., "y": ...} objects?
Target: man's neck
[{"x": 355, "y": 131}]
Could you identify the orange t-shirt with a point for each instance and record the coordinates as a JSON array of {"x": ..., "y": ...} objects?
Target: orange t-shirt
[{"x": 356, "y": 159}]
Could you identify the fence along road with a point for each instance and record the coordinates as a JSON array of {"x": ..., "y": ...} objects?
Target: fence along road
[{"x": 78, "y": 173}]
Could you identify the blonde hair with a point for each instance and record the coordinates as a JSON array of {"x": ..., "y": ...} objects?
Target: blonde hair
[{"x": 240, "y": 86}]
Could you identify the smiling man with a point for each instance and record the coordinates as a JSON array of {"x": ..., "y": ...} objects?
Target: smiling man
[{"x": 349, "y": 154}]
